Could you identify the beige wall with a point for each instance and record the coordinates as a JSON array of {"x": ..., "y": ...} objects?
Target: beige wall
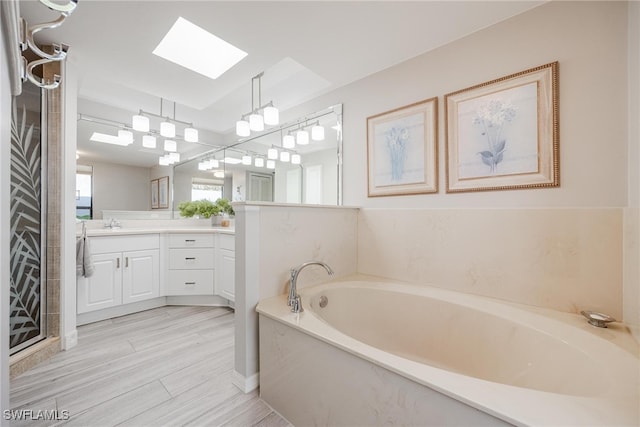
[
  {"x": 270, "y": 240},
  {"x": 564, "y": 259},
  {"x": 589, "y": 40}
]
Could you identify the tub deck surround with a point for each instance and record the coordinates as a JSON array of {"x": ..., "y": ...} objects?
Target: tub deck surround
[{"x": 522, "y": 365}]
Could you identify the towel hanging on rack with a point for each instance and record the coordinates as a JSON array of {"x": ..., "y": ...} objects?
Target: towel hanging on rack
[{"x": 84, "y": 262}]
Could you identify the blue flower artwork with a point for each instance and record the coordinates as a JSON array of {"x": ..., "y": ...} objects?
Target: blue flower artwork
[{"x": 399, "y": 149}]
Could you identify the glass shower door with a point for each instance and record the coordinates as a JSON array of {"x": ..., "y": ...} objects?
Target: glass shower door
[{"x": 28, "y": 225}]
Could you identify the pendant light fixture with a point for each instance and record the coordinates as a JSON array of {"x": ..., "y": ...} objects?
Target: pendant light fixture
[
  {"x": 243, "y": 128},
  {"x": 170, "y": 145},
  {"x": 317, "y": 132},
  {"x": 149, "y": 141},
  {"x": 140, "y": 123},
  {"x": 302, "y": 137},
  {"x": 168, "y": 130},
  {"x": 288, "y": 141},
  {"x": 295, "y": 159},
  {"x": 272, "y": 153},
  {"x": 260, "y": 115},
  {"x": 191, "y": 134}
]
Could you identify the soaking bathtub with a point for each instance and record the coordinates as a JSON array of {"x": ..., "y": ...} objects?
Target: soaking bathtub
[{"x": 379, "y": 353}]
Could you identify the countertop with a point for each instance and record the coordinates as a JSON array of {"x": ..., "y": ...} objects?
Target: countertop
[{"x": 101, "y": 232}]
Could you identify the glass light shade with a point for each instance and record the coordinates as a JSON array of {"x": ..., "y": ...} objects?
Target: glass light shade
[
  {"x": 163, "y": 161},
  {"x": 302, "y": 137},
  {"x": 125, "y": 136},
  {"x": 295, "y": 159},
  {"x": 167, "y": 129},
  {"x": 246, "y": 160},
  {"x": 203, "y": 166},
  {"x": 285, "y": 156},
  {"x": 149, "y": 141},
  {"x": 170, "y": 145},
  {"x": 140, "y": 123},
  {"x": 288, "y": 141},
  {"x": 272, "y": 153},
  {"x": 271, "y": 115},
  {"x": 259, "y": 162},
  {"x": 271, "y": 164},
  {"x": 174, "y": 157},
  {"x": 256, "y": 122},
  {"x": 317, "y": 133},
  {"x": 213, "y": 163},
  {"x": 191, "y": 135},
  {"x": 242, "y": 128}
]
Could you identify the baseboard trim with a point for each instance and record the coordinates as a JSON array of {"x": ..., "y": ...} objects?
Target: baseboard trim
[
  {"x": 70, "y": 340},
  {"x": 245, "y": 384},
  {"x": 119, "y": 310}
]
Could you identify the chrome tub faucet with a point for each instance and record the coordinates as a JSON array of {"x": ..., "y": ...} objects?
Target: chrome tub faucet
[{"x": 294, "y": 299}]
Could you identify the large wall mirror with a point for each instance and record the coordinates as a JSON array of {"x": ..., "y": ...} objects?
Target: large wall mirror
[{"x": 297, "y": 162}]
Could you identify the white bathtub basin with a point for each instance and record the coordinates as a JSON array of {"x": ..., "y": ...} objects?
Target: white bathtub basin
[{"x": 522, "y": 365}]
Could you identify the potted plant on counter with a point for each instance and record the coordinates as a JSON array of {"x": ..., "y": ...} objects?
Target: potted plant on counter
[
  {"x": 198, "y": 208},
  {"x": 225, "y": 212},
  {"x": 219, "y": 211}
]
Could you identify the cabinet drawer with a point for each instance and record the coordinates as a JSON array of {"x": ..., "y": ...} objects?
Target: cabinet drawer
[
  {"x": 102, "y": 245},
  {"x": 191, "y": 259},
  {"x": 227, "y": 241},
  {"x": 191, "y": 240},
  {"x": 190, "y": 282}
]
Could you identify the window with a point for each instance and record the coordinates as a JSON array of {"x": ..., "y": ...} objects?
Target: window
[
  {"x": 84, "y": 192},
  {"x": 202, "y": 188}
]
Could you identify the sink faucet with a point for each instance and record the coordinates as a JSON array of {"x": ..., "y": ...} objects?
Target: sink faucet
[
  {"x": 113, "y": 223},
  {"x": 294, "y": 298}
]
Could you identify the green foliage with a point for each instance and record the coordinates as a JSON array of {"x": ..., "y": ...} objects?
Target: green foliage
[
  {"x": 225, "y": 206},
  {"x": 205, "y": 208}
]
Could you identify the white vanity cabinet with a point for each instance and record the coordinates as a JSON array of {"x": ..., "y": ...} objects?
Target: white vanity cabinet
[
  {"x": 126, "y": 270},
  {"x": 191, "y": 262},
  {"x": 225, "y": 284}
]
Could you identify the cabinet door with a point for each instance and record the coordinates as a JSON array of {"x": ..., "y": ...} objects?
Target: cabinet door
[
  {"x": 104, "y": 288},
  {"x": 141, "y": 275},
  {"x": 227, "y": 274}
]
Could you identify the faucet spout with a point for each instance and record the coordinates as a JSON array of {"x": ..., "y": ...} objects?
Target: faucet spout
[{"x": 294, "y": 299}]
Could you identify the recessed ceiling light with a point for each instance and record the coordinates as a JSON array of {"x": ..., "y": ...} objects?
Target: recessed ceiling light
[{"x": 194, "y": 48}]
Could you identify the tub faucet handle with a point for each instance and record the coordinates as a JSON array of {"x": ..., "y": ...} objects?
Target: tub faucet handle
[{"x": 293, "y": 300}]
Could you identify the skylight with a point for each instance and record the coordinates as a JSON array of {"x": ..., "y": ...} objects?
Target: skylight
[
  {"x": 198, "y": 50},
  {"x": 109, "y": 139}
]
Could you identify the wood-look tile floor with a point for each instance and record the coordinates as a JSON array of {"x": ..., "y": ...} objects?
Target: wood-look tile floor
[{"x": 169, "y": 366}]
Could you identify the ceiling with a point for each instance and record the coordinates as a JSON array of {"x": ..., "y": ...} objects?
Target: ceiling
[{"x": 305, "y": 48}]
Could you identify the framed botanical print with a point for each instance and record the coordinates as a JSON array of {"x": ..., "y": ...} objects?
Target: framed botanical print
[
  {"x": 504, "y": 134},
  {"x": 402, "y": 150}
]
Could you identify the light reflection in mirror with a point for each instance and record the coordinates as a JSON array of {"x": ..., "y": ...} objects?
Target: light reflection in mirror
[{"x": 269, "y": 167}]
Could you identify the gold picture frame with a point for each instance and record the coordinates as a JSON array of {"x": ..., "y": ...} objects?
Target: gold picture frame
[
  {"x": 402, "y": 150},
  {"x": 504, "y": 134}
]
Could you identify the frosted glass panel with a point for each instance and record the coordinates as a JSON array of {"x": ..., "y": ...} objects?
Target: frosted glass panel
[{"x": 27, "y": 238}]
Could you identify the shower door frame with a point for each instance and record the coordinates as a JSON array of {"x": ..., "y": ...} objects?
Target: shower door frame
[{"x": 44, "y": 169}]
